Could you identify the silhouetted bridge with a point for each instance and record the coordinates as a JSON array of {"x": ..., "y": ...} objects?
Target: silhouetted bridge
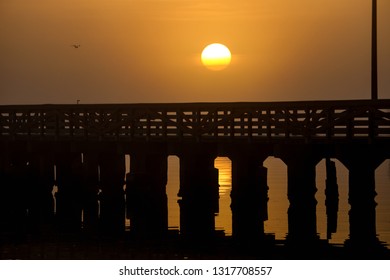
[{"x": 87, "y": 145}]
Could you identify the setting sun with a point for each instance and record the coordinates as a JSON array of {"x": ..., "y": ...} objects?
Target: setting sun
[{"x": 216, "y": 57}]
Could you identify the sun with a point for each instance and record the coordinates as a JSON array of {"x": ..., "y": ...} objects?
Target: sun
[{"x": 216, "y": 57}]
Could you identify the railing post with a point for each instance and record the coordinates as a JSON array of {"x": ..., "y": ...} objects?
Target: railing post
[
  {"x": 372, "y": 126},
  {"x": 329, "y": 123}
]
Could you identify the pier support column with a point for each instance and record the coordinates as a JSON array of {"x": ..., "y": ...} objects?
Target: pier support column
[
  {"x": 199, "y": 192},
  {"x": 40, "y": 178},
  {"x": 69, "y": 195},
  {"x": 361, "y": 163},
  {"x": 301, "y": 164},
  {"x": 249, "y": 197},
  {"x": 331, "y": 198},
  {"x": 90, "y": 192},
  {"x": 146, "y": 195},
  {"x": 3, "y": 186},
  {"x": 112, "y": 200},
  {"x": 14, "y": 195}
]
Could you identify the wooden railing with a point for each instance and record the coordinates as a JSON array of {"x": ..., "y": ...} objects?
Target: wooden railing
[{"x": 257, "y": 122}]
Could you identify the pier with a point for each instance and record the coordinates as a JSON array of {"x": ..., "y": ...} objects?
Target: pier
[{"x": 81, "y": 148}]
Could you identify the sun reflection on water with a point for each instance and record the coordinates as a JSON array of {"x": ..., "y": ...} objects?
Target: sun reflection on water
[{"x": 278, "y": 201}]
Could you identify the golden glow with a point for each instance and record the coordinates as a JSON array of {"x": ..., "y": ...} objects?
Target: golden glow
[
  {"x": 223, "y": 164},
  {"x": 216, "y": 57}
]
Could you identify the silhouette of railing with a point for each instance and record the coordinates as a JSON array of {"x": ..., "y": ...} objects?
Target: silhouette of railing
[{"x": 200, "y": 122}]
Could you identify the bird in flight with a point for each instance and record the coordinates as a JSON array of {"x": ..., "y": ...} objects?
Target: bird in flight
[{"x": 76, "y": 46}]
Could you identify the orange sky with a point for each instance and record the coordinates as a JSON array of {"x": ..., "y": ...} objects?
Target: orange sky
[{"x": 149, "y": 50}]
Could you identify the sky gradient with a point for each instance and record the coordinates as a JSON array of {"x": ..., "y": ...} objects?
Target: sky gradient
[{"x": 141, "y": 51}]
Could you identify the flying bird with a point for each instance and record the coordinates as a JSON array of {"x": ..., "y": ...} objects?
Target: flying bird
[{"x": 76, "y": 46}]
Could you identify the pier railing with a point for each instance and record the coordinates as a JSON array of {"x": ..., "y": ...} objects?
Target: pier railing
[{"x": 206, "y": 122}]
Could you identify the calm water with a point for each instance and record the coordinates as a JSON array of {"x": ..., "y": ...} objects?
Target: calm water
[{"x": 278, "y": 202}]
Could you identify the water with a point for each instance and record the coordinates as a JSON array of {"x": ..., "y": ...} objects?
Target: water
[{"x": 278, "y": 202}]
